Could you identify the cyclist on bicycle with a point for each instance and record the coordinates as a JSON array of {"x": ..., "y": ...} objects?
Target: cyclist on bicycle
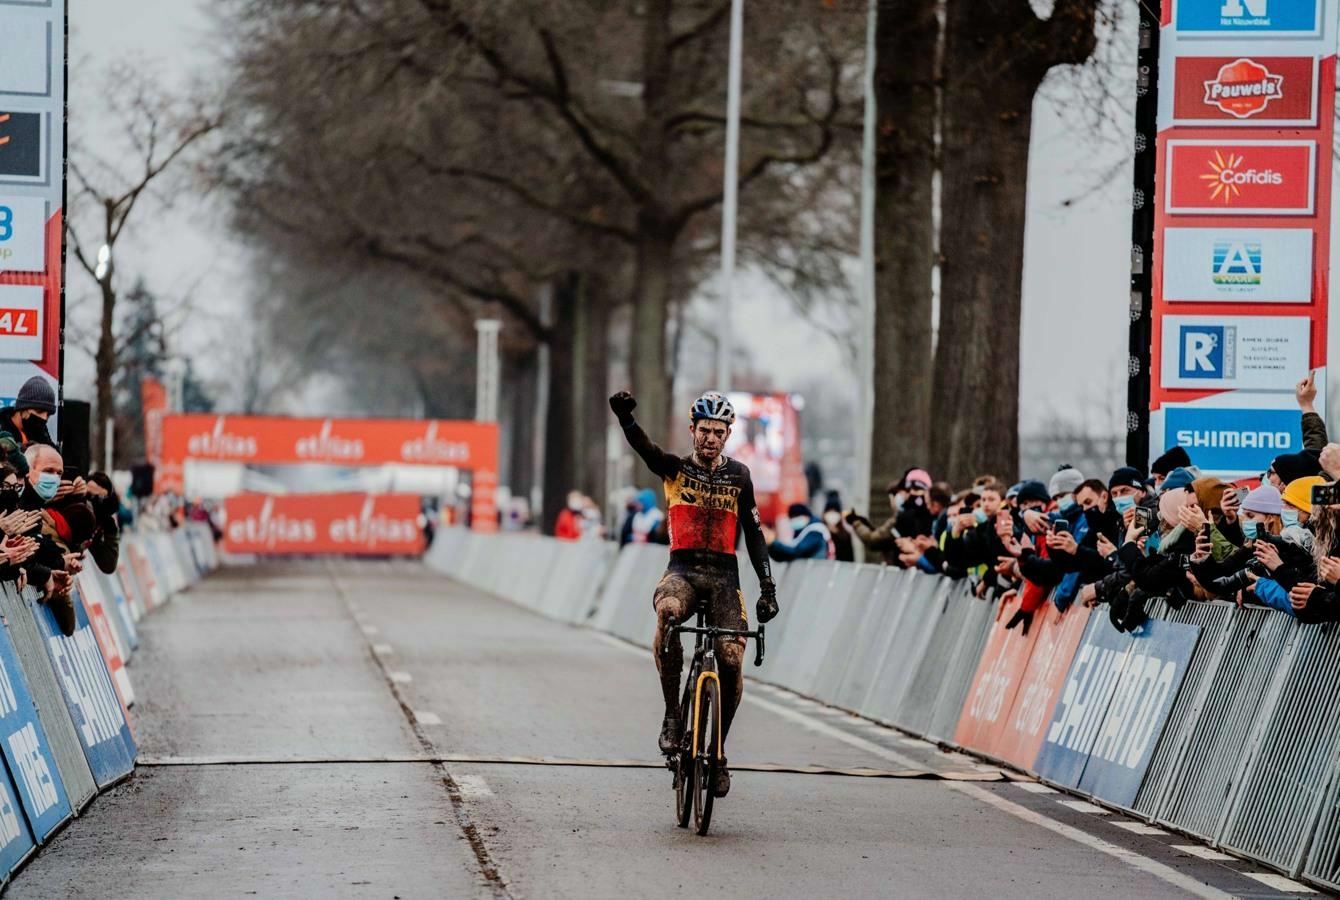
[{"x": 708, "y": 497}]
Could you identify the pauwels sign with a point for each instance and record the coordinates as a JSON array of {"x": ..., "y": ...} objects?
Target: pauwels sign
[
  {"x": 1240, "y": 285},
  {"x": 32, "y": 190}
]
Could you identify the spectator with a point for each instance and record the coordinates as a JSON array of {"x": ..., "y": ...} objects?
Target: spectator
[
  {"x": 881, "y": 540},
  {"x": 568, "y": 525},
  {"x": 648, "y": 522},
  {"x": 842, "y": 544},
  {"x": 25, "y": 422},
  {"x": 810, "y": 537},
  {"x": 105, "y": 547},
  {"x": 915, "y": 516},
  {"x": 1172, "y": 458}
]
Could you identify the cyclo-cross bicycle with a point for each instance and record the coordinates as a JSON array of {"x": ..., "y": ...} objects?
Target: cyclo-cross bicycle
[{"x": 696, "y": 761}]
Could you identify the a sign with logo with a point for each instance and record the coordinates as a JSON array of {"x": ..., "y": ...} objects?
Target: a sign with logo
[
  {"x": 15, "y": 840},
  {"x": 23, "y": 226},
  {"x": 1243, "y": 178},
  {"x": 1278, "y": 91},
  {"x": 1235, "y": 352},
  {"x": 1232, "y": 441},
  {"x": 21, "y": 322},
  {"x": 1236, "y": 19},
  {"x": 32, "y": 190},
  {"x": 1237, "y": 265},
  {"x": 344, "y": 524},
  {"x": 87, "y": 687},
  {"x": 1000, "y": 671},
  {"x": 1114, "y": 706},
  {"x": 26, "y": 749}
]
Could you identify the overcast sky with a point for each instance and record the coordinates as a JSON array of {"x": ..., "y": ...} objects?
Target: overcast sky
[{"x": 1075, "y": 271}]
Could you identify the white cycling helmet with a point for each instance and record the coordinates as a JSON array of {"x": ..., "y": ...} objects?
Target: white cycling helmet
[{"x": 713, "y": 405}]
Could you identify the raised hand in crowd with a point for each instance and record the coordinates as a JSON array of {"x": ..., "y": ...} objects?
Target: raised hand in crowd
[
  {"x": 1062, "y": 541},
  {"x": 1035, "y": 521},
  {"x": 1329, "y": 569},
  {"x": 1105, "y": 547},
  {"x": 20, "y": 521},
  {"x": 1230, "y": 504},
  {"x": 853, "y": 517},
  {"x": 1191, "y": 517},
  {"x": 74, "y": 563},
  {"x": 1204, "y": 547},
  {"x": 1005, "y": 600},
  {"x": 16, "y": 550},
  {"x": 1330, "y": 460},
  {"x": 1268, "y": 555},
  {"x": 1300, "y": 594},
  {"x": 1088, "y": 595},
  {"x": 1305, "y": 392}
]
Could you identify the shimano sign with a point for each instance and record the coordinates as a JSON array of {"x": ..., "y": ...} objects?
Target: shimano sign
[
  {"x": 1113, "y": 707},
  {"x": 1232, "y": 440}
]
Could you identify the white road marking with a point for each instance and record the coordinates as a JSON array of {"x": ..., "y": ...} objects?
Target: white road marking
[
  {"x": 1202, "y": 852},
  {"x": 371, "y": 630},
  {"x": 473, "y": 787},
  {"x": 427, "y": 718},
  {"x": 401, "y": 677},
  {"x": 383, "y": 649},
  {"x": 1085, "y": 807},
  {"x": 1140, "y": 828},
  {"x": 1034, "y": 788},
  {"x": 1129, "y": 857},
  {"x": 1280, "y": 883}
]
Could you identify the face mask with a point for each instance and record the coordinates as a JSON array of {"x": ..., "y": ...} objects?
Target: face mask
[
  {"x": 1066, "y": 503},
  {"x": 832, "y": 518},
  {"x": 980, "y": 515},
  {"x": 1289, "y": 517},
  {"x": 1124, "y": 503},
  {"x": 1249, "y": 530},
  {"x": 47, "y": 485},
  {"x": 799, "y": 524}
]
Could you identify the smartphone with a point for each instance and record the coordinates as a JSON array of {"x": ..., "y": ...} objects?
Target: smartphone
[
  {"x": 1241, "y": 494},
  {"x": 1060, "y": 526},
  {"x": 70, "y": 473},
  {"x": 1205, "y": 530},
  {"x": 1325, "y": 494},
  {"x": 1144, "y": 518}
]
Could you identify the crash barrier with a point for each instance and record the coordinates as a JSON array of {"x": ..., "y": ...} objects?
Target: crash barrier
[
  {"x": 1211, "y": 720},
  {"x": 65, "y": 733}
]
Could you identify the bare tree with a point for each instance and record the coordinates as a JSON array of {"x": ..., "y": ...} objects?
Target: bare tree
[{"x": 160, "y": 131}]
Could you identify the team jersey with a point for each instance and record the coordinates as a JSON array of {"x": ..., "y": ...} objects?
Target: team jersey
[{"x": 705, "y": 507}]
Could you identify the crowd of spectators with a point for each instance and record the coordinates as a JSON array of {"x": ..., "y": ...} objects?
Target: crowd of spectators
[
  {"x": 51, "y": 515},
  {"x": 1124, "y": 537}
]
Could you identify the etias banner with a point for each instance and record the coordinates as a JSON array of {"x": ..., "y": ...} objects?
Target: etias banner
[{"x": 338, "y": 524}]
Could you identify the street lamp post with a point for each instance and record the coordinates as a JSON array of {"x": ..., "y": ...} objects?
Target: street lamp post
[
  {"x": 487, "y": 372},
  {"x": 730, "y": 191}
]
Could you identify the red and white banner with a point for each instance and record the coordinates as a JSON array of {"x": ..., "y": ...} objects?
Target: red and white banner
[
  {"x": 339, "y": 524},
  {"x": 1242, "y": 227},
  {"x": 277, "y": 440}
]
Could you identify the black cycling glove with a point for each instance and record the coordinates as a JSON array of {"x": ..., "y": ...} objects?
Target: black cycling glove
[
  {"x": 623, "y": 405},
  {"x": 767, "y": 602}
]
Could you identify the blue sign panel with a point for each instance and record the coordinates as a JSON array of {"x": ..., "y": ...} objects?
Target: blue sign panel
[
  {"x": 1113, "y": 707},
  {"x": 1232, "y": 440},
  {"x": 15, "y": 841},
  {"x": 1201, "y": 352},
  {"x": 89, "y": 694},
  {"x": 1242, "y": 18},
  {"x": 26, "y": 749},
  {"x": 120, "y": 606}
]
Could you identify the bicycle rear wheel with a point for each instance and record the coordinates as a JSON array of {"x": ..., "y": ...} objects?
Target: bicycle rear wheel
[{"x": 705, "y": 765}]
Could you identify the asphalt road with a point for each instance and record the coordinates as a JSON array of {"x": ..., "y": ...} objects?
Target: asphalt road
[{"x": 372, "y": 730}]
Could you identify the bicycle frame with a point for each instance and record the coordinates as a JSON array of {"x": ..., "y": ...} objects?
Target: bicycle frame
[{"x": 704, "y": 665}]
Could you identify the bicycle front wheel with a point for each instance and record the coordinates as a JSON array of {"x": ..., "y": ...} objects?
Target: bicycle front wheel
[{"x": 705, "y": 764}]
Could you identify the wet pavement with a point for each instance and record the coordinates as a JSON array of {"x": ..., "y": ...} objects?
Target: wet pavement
[{"x": 374, "y": 730}]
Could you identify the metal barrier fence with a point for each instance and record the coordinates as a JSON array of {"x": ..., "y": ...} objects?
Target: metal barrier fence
[
  {"x": 1247, "y": 758},
  {"x": 64, "y": 728}
]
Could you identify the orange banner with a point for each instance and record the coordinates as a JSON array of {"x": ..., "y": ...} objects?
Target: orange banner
[
  {"x": 154, "y": 403},
  {"x": 342, "y": 524},
  {"x": 265, "y": 440}
]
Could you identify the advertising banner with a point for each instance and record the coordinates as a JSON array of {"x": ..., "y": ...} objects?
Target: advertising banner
[
  {"x": 89, "y": 694},
  {"x": 1057, "y": 636},
  {"x": 26, "y": 750},
  {"x": 1240, "y": 284},
  {"x": 344, "y": 524},
  {"x": 273, "y": 440},
  {"x": 766, "y": 438},
  {"x": 1237, "y": 265},
  {"x": 1245, "y": 352},
  {"x": 32, "y": 190},
  {"x": 996, "y": 684},
  {"x": 1113, "y": 707}
]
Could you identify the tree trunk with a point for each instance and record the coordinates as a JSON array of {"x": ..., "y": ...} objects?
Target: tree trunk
[
  {"x": 651, "y": 381},
  {"x": 591, "y": 385},
  {"x": 518, "y": 427},
  {"x": 988, "y": 116},
  {"x": 105, "y": 367},
  {"x": 906, "y": 38},
  {"x": 560, "y": 438}
]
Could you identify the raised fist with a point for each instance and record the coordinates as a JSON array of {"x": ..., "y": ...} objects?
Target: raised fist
[{"x": 623, "y": 405}]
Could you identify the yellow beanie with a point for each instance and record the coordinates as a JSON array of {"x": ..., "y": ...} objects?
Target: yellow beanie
[{"x": 1298, "y": 493}]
